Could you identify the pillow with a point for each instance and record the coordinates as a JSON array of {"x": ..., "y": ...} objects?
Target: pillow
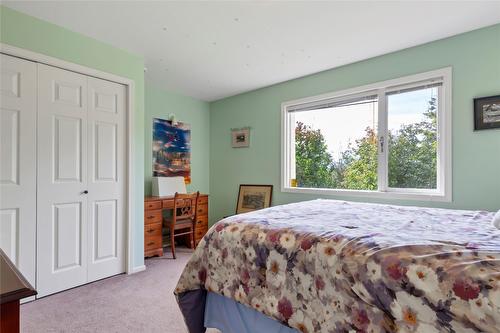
[{"x": 496, "y": 220}]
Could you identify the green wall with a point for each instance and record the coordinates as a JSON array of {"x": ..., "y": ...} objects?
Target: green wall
[
  {"x": 475, "y": 58},
  {"x": 30, "y": 33},
  {"x": 159, "y": 104}
]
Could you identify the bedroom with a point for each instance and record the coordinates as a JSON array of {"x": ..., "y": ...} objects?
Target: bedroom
[{"x": 249, "y": 85}]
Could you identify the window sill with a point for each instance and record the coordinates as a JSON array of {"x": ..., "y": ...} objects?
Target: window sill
[{"x": 415, "y": 194}]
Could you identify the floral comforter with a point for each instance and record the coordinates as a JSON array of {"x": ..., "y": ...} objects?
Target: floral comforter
[{"x": 336, "y": 266}]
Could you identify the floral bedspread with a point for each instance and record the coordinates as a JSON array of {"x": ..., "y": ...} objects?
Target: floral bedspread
[{"x": 337, "y": 266}]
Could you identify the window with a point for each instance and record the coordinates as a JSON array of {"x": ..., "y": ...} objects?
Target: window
[{"x": 389, "y": 139}]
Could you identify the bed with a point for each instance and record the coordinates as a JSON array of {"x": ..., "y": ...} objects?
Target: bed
[{"x": 338, "y": 266}]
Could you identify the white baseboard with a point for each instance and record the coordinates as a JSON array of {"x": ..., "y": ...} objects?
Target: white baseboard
[
  {"x": 137, "y": 269},
  {"x": 28, "y": 299}
]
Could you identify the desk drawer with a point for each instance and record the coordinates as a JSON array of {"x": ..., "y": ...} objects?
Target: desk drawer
[
  {"x": 152, "y": 216},
  {"x": 152, "y": 243},
  {"x": 202, "y": 209},
  {"x": 168, "y": 204},
  {"x": 201, "y": 227},
  {"x": 150, "y": 205},
  {"x": 202, "y": 220},
  {"x": 153, "y": 229},
  {"x": 202, "y": 200},
  {"x": 199, "y": 233}
]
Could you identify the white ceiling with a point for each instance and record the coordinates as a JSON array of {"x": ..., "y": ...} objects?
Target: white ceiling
[{"x": 210, "y": 50}]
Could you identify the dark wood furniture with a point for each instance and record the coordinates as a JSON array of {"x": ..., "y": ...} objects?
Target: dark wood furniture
[
  {"x": 153, "y": 218},
  {"x": 13, "y": 288},
  {"x": 183, "y": 218}
]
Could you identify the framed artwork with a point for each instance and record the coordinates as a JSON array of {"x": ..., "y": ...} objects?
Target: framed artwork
[
  {"x": 240, "y": 137},
  {"x": 253, "y": 197},
  {"x": 171, "y": 149},
  {"x": 487, "y": 112}
]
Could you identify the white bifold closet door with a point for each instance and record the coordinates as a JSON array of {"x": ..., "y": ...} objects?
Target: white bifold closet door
[
  {"x": 106, "y": 183},
  {"x": 81, "y": 179},
  {"x": 18, "y": 162}
]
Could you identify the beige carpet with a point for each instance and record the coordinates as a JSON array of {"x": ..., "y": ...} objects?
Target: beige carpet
[{"x": 142, "y": 302}]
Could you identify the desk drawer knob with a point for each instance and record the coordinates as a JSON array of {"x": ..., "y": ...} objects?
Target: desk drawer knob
[
  {"x": 151, "y": 243},
  {"x": 151, "y": 230}
]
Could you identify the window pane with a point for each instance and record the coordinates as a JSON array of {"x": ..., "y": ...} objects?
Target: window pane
[
  {"x": 336, "y": 147},
  {"x": 412, "y": 125}
]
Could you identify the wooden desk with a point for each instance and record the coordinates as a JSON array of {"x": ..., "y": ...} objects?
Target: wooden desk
[
  {"x": 13, "y": 288},
  {"x": 153, "y": 215}
]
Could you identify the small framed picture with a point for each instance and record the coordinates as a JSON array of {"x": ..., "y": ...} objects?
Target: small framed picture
[
  {"x": 253, "y": 197},
  {"x": 487, "y": 112},
  {"x": 240, "y": 137}
]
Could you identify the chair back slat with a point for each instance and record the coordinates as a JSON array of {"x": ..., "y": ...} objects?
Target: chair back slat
[{"x": 185, "y": 206}]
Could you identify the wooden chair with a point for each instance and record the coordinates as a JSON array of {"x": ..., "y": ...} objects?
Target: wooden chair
[{"x": 183, "y": 217}]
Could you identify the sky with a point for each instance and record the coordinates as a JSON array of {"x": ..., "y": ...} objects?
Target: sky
[{"x": 343, "y": 125}]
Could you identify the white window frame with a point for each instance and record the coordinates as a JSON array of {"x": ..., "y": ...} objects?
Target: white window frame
[{"x": 442, "y": 193}]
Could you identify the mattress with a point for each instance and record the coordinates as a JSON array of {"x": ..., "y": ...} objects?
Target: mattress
[
  {"x": 338, "y": 266},
  {"x": 229, "y": 316}
]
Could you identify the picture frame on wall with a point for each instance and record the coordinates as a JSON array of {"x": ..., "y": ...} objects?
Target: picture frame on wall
[
  {"x": 487, "y": 112},
  {"x": 240, "y": 137},
  {"x": 171, "y": 149},
  {"x": 253, "y": 197}
]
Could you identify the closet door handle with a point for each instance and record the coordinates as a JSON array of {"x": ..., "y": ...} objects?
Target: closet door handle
[{"x": 85, "y": 192}]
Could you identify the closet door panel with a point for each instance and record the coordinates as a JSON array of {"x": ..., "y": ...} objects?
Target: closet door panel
[
  {"x": 9, "y": 145},
  {"x": 62, "y": 228},
  {"x": 67, "y": 134},
  {"x": 18, "y": 162},
  {"x": 106, "y": 178},
  {"x": 105, "y": 151},
  {"x": 67, "y": 226}
]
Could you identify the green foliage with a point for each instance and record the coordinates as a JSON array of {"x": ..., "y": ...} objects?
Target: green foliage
[
  {"x": 413, "y": 153},
  {"x": 412, "y": 158},
  {"x": 361, "y": 172},
  {"x": 313, "y": 162}
]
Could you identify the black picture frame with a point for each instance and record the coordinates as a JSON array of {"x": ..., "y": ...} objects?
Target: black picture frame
[
  {"x": 486, "y": 112},
  {"x": 263, "y": 194}
]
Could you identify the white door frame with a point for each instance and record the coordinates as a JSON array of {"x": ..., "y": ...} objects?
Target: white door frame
[{"x": 130, "y": 88}]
